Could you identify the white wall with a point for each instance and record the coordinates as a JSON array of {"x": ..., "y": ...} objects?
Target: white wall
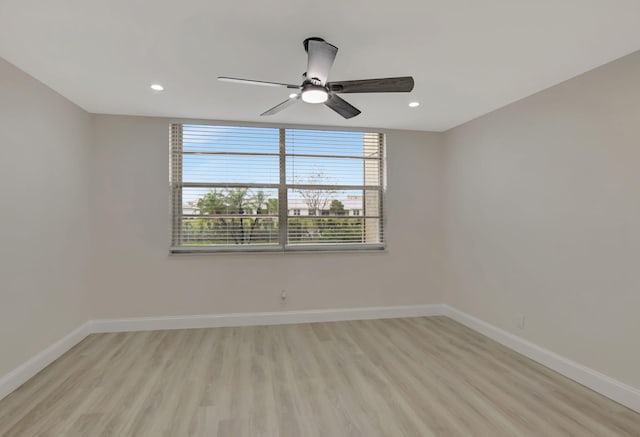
[
  {"x": 43, "y": 216},
  {"x": 135, "y": 276},
  {"x": 542, "y": 213}
]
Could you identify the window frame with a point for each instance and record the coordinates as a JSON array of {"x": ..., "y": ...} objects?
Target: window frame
[{"x": 176, "y": 171}]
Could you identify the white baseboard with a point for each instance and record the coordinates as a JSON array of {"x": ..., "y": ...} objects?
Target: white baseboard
[
  {"x": 24, "y": 372},
  {"x": 603, "y": 384},
  {"x": 596, "y": 381},
  {"x": 264, "y": 318}
]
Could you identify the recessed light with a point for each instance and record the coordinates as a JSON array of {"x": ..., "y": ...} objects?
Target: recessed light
[
  {"x": 157, "y": 87},
  {"x": 414, "y": 104},
  {"x": 293, "y": 95}
]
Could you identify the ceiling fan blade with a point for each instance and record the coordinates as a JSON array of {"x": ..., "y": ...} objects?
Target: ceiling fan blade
[
  {"x": 280, "y": 106},
  {"x": 341, "y": 106},
  {"x": 384, "y": 85},
  {"x": 256, "y": 82},
  {"x": 321, "y": 56}
]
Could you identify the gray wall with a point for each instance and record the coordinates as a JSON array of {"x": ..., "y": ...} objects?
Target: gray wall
[
  {"x": 43, "y": 218},
  {"x": 135, "y": 276},
  {"x": 542, "y": 213}
]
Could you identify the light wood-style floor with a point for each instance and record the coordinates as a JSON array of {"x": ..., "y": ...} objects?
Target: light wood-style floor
[{"x": 400, "y": 377}]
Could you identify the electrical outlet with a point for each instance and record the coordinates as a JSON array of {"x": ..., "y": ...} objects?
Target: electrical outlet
[{"x": 521, "y": 321}]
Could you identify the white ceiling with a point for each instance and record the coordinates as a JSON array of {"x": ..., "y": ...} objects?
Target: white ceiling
[{"x": 467, "y": 57}]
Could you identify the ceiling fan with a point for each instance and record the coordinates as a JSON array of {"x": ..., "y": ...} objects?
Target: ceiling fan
[{"x": 316, "y": 89}]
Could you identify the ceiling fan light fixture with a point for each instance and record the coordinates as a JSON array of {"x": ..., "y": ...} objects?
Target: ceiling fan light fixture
[{"x": 314, "y": 94}]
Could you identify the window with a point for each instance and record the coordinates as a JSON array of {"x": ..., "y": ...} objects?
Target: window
[{"x": 245, "y": 188}]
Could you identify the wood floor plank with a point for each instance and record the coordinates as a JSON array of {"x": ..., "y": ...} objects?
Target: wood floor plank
[{"x": 426, "y": 376}]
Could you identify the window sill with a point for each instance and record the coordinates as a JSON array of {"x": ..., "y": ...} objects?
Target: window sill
[{"x": 182, "y": 251}]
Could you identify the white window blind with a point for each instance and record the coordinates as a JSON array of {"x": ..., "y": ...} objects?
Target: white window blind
[{"x": 254, "y": 188}]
